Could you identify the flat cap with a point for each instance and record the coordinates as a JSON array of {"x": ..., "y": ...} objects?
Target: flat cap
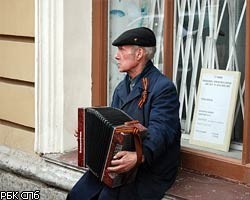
[{"x": 141, "y": 36}]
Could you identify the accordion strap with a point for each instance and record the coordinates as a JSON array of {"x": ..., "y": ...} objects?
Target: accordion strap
[
  {"x": 129, "y": 128},
  {"x": 138, "y": 148}
]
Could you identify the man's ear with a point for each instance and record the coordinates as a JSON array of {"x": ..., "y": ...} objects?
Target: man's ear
[{"x": 139, "y": 53}]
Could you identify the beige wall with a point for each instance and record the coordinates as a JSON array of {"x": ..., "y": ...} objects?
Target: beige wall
[
  {"x": 17, "y": 59},
  {"x": 16, "y": 136},
  {"x": 17, "y": 17},
  {"x": 17, "y": 103},
  {"x": 17, "y": 74}
]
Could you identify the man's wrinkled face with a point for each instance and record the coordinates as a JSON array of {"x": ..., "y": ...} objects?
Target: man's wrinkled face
[{"x": 126, "y": 58}]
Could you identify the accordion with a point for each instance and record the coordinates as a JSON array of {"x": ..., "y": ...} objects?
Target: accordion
[{"x": 102, "y": 132}]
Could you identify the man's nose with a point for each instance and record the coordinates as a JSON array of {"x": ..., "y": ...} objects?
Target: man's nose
[{"x": 116, "y": 56}]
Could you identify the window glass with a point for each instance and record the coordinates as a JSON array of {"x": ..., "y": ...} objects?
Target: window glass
[
  {"x": 208, "y": 34},
  {"x": 128, "y": 14}
]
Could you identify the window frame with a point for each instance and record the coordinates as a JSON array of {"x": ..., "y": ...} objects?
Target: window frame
[
  {"x": 202, "y": 161},
  {"x": 99, "y": 52},
  {"x": 246, "y": 129}
]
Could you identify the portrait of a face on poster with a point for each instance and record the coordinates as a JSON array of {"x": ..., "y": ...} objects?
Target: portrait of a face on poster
[{"x": 215, "y": 107}]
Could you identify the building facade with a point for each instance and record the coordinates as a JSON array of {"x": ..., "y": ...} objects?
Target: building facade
[{"x": 56, "y": 56}]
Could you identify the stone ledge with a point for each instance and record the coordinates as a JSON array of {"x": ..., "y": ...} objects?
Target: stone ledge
[
  {"x": 37, "y": 169},
  {"x": 17, "y": 184}
]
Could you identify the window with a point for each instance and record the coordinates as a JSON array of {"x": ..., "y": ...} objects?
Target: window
[{"x": 208, "y": 35}]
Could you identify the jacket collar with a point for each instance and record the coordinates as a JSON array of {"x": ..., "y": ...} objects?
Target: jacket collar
[{"x": 123, "y": 91}]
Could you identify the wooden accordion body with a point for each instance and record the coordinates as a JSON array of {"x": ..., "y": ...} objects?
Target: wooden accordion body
[{"x": 102, "y": 132}]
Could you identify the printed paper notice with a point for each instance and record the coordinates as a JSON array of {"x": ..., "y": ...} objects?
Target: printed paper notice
[{"x": 213, "y": 107}]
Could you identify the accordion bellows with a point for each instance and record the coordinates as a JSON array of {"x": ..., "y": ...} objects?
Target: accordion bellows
[{"x": 102, "y": 132}]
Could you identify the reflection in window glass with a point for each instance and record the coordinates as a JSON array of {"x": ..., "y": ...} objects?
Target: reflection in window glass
[{"x": 128, "y": 14}]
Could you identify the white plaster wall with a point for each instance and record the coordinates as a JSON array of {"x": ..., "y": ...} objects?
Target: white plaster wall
[{"x": 77, "y": 64}]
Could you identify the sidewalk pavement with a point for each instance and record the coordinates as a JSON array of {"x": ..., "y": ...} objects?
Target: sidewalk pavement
[{"x": 193, "y": 186}]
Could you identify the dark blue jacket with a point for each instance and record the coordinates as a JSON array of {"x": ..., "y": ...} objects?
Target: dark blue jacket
[{"x": 160, "y": 114}]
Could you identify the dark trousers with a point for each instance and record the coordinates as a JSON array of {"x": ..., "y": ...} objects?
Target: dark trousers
[{"x": 90, "y": 188}]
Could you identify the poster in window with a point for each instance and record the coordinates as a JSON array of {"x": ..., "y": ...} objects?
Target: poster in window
[{"x": 215, "y": 107}]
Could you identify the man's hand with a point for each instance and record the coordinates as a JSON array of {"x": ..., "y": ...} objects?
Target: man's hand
[{"x": 123, "y": 161}]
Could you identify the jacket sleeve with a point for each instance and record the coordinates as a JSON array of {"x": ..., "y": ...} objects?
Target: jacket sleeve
[{"x": 164, "y": 123}]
